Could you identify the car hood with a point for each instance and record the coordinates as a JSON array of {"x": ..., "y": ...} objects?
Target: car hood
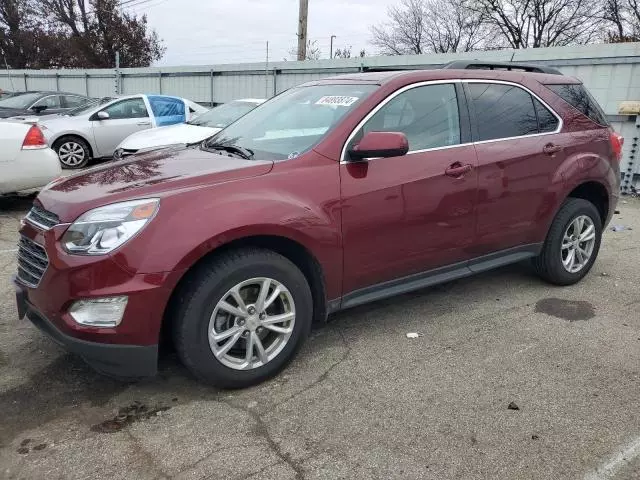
[
  {"x": 12, "y": 112},
  {"x": 157, "y": 174},
  {"x": 171, "y": 135}
]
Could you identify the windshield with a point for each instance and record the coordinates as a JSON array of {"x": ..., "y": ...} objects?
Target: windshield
[
  {"x": 221, "y": 116},
  {"x": 91, "y": 104},
  {"x": 293, "y": 122},
  {"x": 20, "y": 101}
]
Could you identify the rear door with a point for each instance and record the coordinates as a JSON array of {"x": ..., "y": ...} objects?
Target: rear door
[
  {"x": 518, "y": 151},
  {"x": 404, "y": 215},
  {"x": 125, "y": 117},
  {"x": 167, "y": 110}
]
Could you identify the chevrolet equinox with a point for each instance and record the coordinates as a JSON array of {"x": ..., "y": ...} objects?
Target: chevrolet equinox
[{"x": 332, "y": 194}]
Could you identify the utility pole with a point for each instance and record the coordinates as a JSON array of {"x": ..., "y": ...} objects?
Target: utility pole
[
  {"x": 331, "y": 48},
  {"x": 302, "y": 29},
  {"x": 266, "y": 74}
]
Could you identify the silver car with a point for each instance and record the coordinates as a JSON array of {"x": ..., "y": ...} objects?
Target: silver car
[{"x": 95, "y": 130}]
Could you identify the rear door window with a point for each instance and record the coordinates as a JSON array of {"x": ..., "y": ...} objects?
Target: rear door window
[
  {"x": 578, "y": 97},
  {"x": 167, "y": 110},
  {"x": 502, "y": 111}
]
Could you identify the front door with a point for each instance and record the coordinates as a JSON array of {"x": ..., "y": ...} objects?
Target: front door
[
  {"x": 518, "y": 153},
  {"x": 412, "y": 213},
  {"x": 125, "y": 117}
]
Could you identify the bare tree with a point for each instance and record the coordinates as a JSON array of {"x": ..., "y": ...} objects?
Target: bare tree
[
  {"x": 541, "y": 23},
  {"x": 313, "y": 51},
  {"x": 421, "y": 26},
  {"x": 451, "y": 27},
  {"x": 623, "y": 16},
  {"x": 96, "y": 29},
  {"x": 403, "y": 33}
]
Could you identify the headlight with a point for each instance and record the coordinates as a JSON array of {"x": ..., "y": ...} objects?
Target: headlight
[{"x": 104, "y": 229}]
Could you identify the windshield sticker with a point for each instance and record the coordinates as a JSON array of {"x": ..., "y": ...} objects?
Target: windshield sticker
[
  {"x": 293, "y": 155},
  {"x": 338, "y": 100}
]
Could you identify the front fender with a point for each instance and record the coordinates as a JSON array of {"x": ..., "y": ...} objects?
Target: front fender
[{"x": 187, "y": 228}]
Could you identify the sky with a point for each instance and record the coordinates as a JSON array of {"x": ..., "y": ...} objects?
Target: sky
[{"x": 205, "y": 32}]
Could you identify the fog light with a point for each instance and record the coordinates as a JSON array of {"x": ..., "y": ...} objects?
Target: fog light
[{"x": 99, "y": 312}]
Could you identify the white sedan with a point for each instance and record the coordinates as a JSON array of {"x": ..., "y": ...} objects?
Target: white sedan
[
  {"x": 194, "y": 131},
  {"x": 26, "y": 161},
  {"x": 96, "y": 129}
]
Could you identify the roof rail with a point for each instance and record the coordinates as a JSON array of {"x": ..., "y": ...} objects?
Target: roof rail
[{"x": 480, "y": 65}]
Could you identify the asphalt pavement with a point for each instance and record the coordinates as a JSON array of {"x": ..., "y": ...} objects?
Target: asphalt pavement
[{"x": 507, "y": 378}]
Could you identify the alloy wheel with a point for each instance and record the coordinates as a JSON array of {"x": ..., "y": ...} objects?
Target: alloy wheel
[
  {"x": 252, "y": 323},
  {"x": 578, "y": 243},
  {"x": 71, "y": 154}
]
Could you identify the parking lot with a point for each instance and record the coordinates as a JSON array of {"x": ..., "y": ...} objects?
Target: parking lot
[{"x": 509, "y": 378}]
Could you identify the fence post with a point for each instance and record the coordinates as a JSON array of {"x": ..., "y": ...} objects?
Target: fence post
[
  {"x": 86, "y": 84},
  {"x": 57, "y": 82},
  {"x": 211, "y": 103},
  {"x": 275, "y": 82},
  {"x": 26, "y": 87},
  {"x": 160, "y": 81}
]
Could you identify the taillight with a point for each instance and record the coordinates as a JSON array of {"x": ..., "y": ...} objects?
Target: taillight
[
  {"x": 34, "y": 139},
  {"x": 617, "y": 141}
]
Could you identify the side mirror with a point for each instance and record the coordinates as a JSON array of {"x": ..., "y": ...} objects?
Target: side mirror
[
  {"x": 380, "y": 144},
  {"x": 39, "y": 108},
  {"x": 102, "y": 115}
]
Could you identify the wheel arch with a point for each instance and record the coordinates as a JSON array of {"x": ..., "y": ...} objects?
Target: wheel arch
[
  {"x": 289, "y": 248},
  {"x": 596, "y": 193}
]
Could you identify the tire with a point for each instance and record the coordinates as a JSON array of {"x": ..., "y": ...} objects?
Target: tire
[
  {"x": 549, "y": 264},
  {"x": 73, "y": 152},
  {"x": 201, "y": 297}
]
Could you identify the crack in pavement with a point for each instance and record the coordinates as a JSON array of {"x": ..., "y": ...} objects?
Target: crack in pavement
[
  {"x": 262, "y": 431},
  {"x": 321, "y": 378},
  {"x": 147, "y": 456},
  {"x": 258, "y": 472}
]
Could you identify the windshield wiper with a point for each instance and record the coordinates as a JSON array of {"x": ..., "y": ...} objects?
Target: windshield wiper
[{"x": 242, "y": 152}]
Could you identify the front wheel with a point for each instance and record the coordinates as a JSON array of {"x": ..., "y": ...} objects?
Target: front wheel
[
  {"x": 243, "y": 317},
  {"x": 572, "y": 244}
]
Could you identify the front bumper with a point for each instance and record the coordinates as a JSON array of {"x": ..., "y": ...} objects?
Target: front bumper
[{"x": 123, "y": 361}]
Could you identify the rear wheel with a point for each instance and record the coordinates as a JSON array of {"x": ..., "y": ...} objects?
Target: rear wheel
[
  {"x": 73, "y": 152},
  {"x": 242, "y": 318},
  {"x": 572, "y": 244}
]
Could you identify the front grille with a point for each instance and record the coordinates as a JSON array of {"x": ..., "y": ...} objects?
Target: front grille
[
  {"x": 32, "y": 262},
  {"x": 42, "y": 218}
]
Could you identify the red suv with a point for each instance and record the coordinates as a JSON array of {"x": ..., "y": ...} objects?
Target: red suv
[{"x": 335, "y": 193}]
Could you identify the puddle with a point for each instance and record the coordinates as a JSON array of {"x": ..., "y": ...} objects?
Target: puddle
[
  {"x": 571, "y": 310},
  {"x": 135, "y": 412}
]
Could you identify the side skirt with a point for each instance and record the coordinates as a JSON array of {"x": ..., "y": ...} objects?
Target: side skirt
[{"x": 434, "y": 277}]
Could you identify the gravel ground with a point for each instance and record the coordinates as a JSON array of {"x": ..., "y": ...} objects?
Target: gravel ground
[{"x": 361, "y": 400}]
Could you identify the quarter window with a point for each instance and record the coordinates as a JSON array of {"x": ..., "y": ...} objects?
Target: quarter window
[
  {"x": 578, "y": 97},
  {"x": 130, "y": 108},
  {"x": 547, "y": 121},
  {"x": 427, "y": 115}
]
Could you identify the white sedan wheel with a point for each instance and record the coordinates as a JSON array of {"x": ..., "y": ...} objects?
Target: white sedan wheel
[{"x": 71, "y": 153}]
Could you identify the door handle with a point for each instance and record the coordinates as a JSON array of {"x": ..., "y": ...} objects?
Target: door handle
[
  {"x": 551, "y": 148},
  {"x": 457, "y": 170},
  {"x": 144, "y": 124}
]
